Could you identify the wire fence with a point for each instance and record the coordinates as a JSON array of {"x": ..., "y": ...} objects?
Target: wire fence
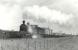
[
  {"x": 39, "y": 44},
  {"x": 27, "y": 44}
]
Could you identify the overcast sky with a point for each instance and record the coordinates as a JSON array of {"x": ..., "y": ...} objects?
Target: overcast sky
[{"x": 61, "y": 15}]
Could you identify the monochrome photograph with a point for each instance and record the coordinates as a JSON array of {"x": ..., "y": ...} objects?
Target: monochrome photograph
[{"x": 38, "y": 24}]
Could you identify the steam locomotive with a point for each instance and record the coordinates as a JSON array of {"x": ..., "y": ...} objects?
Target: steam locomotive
[{"x": 34, "y": 30}]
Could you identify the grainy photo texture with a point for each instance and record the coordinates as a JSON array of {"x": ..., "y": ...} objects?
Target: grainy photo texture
[{"x": 38, "y": 24}]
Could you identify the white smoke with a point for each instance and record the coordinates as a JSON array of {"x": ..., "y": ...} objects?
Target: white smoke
[
  {"x": 48, "y": 14},
  {"x": 11, "y": 12},
  {"x": 11, "y": 16}
]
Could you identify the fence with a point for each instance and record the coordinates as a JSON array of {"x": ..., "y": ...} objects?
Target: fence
[
  {"x": 39, "y": 44},
  {"x": 27, "y": 44}
]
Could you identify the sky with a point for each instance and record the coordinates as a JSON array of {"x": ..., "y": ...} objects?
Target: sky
[{"x": 59, "y": 15}]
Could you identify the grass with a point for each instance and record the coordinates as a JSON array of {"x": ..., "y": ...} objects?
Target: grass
[{"x": 64, "y": 43}]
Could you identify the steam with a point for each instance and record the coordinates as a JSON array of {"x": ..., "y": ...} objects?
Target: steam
[
  {"x": 12, "y": 11},
  {"x": 48, "y": 14},
  {"x": 11, "y": 16}
]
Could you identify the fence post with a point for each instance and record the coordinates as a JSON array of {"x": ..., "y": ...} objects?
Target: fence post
[
  {"x": 35, "y": 44},
  {"x": 28, "y": 44},
  {"x": 44, "y": 43},
  {"x": 47, "y": 44}
]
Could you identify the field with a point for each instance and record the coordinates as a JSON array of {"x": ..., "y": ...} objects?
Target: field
[{"x": 63, "y": 43}]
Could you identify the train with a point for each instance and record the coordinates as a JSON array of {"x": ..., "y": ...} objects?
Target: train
[{"x": 34, "y": 32}]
